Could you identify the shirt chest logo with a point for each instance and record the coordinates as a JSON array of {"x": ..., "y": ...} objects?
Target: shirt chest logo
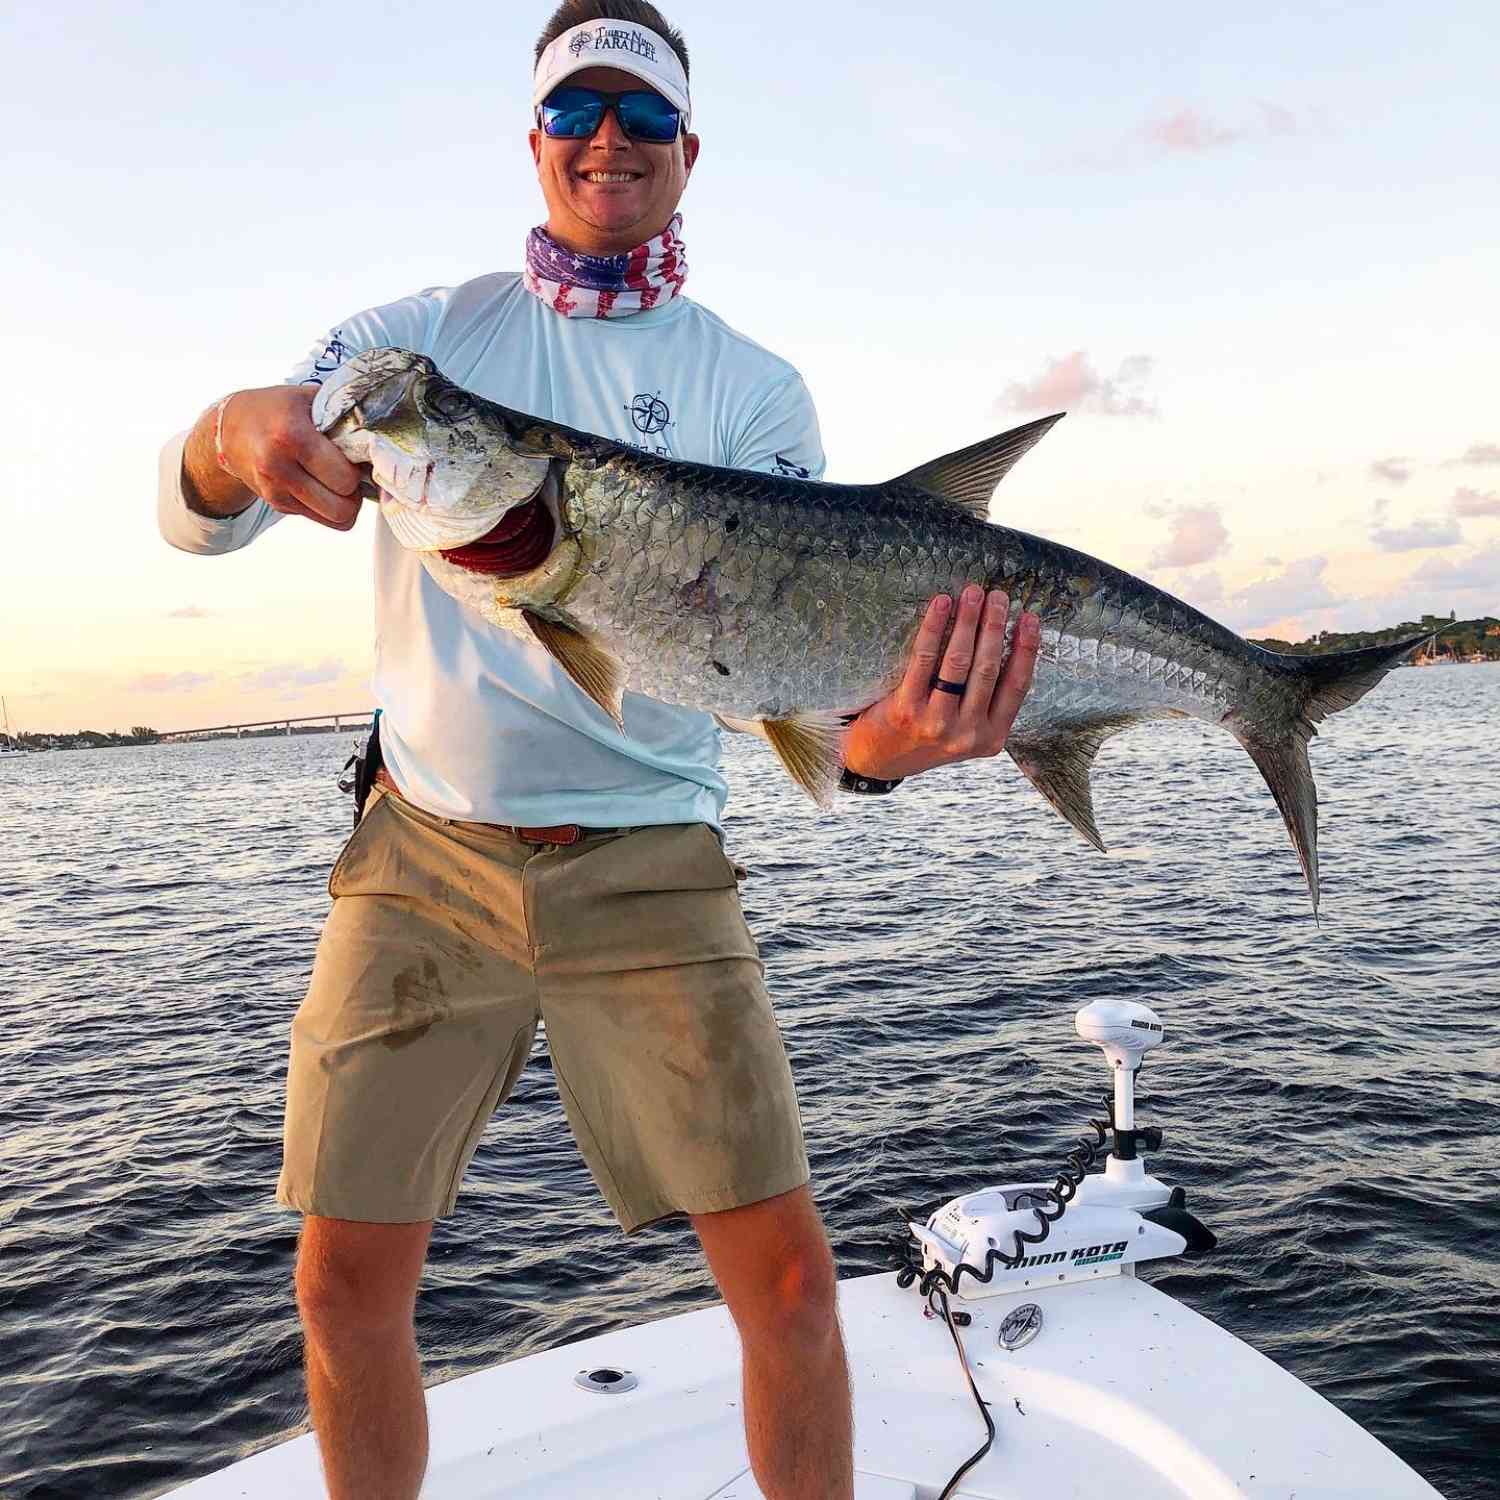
[{"x": 651, "y": 417}]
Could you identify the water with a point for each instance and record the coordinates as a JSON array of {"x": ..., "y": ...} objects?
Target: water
[{"x": 1328, "y": 1094}]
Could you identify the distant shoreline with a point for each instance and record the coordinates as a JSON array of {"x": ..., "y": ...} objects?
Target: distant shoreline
[{"x": 1457, "y": 642}]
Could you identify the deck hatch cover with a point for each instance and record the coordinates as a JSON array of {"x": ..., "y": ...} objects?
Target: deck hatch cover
[
  {"x": 605, "y": 1381},
  {"x": 1021, "y": 1326}
]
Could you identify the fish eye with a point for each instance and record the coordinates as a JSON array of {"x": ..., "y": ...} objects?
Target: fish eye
[{"x": 444, "y": 402}]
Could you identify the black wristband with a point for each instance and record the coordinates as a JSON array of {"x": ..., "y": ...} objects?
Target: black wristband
[{"x": 870, "y": 785}]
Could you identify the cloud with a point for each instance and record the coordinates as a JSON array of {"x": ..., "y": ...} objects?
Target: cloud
[
  {"x": 1299, "y": 587},
  {"x": 170, "y": 682},
  {"x": 1397, "y": 470},
  {"x": 189, "y": 612},
  {"x": 1478, "y": 453},
  {"x": 1190, "y": 132},
  {"x": 1472, "y": 574},
  {"x": 291, "y": 680},
  {"x": 1072, "y": 384},
  {"x": 1187, "y": 130},
  {"x": 1197, "y": 536},
  {"x": 1467, "y": 502},
  {"x": 1416, "y": 536}
]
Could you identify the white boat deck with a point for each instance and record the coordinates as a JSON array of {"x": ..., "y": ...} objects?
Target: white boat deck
[{"x": 1125, "y": 1392}]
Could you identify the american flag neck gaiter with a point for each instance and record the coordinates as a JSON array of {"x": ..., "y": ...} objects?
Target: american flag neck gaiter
[{"x": 605, "y": 286}]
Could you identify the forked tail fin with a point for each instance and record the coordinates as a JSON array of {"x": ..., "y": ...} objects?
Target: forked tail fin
[{"x": 1324, "y": 685}]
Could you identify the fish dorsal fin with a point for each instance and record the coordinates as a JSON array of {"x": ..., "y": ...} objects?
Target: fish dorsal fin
[
  {"x": 968, "y": 477},
  {"x": 595, "y": 670},
  {"x": 811, "y": 747},
  {"x": 1058, "y": 764}
]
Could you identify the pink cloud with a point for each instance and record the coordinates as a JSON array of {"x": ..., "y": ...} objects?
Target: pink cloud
[
  {"x": 170, "y": 682},
  {"x": 1478, "y": 453},
  {"x": 1197, "y": 536},
  {"x": 1190, "y": 131},
  {"x": 1072, "y": 384},
  {"x": 291, "y": 680},
  {"x": 1476, "y": 574},
  {"x": 1397, "y": 470},
  {"x": 1299, "y": 587},
  {"x": 1187, "y": 130},
  {"x": 1417, "y": 535},
  {"x": 1467, "y": 502}
]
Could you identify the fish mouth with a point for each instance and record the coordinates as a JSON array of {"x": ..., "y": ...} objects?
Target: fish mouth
[{"x": 521, "y": 540}]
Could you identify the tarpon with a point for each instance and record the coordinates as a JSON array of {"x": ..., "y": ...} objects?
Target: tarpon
[{"x": 787, "y": 606}]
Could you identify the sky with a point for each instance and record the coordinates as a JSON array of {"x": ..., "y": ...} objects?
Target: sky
[{"x": 1250, "y": 248}]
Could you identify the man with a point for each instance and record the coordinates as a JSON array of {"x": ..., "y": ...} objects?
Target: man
[{"x": 522, "y": 859}]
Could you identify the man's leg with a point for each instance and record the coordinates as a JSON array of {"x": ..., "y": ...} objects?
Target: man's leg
[
  {"x": 774, "y": 1267},
  {"x": 356, "y": 1292}
]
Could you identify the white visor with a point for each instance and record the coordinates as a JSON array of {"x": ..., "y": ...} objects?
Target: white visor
[{"x": 613, "y": 44}]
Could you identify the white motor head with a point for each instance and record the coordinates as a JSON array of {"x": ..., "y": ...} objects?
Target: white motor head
[{"x": 1124, "y": 1029}]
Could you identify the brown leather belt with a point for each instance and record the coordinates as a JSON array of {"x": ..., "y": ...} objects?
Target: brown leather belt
[{"x": 559, "y": 833}]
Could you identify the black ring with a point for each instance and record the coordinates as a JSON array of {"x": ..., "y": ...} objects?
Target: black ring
[{"x": 939, "y": 685}]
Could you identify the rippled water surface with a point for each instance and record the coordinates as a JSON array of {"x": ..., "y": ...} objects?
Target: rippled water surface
[{"x": 1329, "y": 1094}]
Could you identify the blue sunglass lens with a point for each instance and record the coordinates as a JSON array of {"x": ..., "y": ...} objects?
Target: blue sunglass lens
[
  {"x": 648, "y": 117},
  {"x": 569, "y": 114},
  {"x": 575, "y": 113}
]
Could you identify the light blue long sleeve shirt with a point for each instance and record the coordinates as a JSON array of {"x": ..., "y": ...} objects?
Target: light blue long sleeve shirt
[{"x": 479, "y": 724}]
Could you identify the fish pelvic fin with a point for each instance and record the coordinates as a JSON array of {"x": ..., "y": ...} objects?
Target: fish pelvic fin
[
  {"x": 811, "y": 747},
  {"x": 1323, "y": 685},
  {"x": 969, "y": 476},
  {"x": 1058, "y": 765},
  {"x": 593, "y": 669}
]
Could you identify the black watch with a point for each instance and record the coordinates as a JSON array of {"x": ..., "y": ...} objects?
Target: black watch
[{"x": 870, "y": 785}]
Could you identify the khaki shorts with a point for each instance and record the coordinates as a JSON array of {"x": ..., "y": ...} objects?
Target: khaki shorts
[{"x": 449, "y": 941}]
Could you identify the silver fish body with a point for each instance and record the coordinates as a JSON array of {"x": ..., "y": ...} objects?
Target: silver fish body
[{"x": 786, "y": 606}]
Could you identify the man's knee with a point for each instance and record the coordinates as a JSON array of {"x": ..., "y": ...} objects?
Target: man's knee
[
  {"x": 775, "y": 1269},
  {"x": 355, "y": 1280}
]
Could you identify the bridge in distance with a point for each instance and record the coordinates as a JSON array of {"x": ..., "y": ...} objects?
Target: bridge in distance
[{"x": 335, "y": 722}]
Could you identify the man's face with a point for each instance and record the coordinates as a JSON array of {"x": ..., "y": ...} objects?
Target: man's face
[{"x": 609, "y": 194}]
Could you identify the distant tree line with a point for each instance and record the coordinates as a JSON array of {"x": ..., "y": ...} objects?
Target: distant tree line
[
  {"x": 82, "y": 739},
  {"x": 1457, "y": 640}
]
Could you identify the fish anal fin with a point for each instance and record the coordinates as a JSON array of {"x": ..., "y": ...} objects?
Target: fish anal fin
[
  {"x": 1057, "y": 764},
  {"x": 811, "y": 747},
  {"x": 1288, "y": 773},
  {"x": 596, "y": 671},
  {"x": 742, "y": 726},
  {"x": 969, "y": 476}
]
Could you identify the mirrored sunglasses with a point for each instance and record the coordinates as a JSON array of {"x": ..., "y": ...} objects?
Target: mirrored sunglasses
[{"x": 569, "y": 113}]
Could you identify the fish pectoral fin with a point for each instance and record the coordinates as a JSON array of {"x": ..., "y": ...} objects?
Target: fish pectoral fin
[
  {"x": 1058, "y": 765},
  {"x": 969, "y": 476},
  {"x": 811, "y": 747},
  {"x": 597, "y": 671}
]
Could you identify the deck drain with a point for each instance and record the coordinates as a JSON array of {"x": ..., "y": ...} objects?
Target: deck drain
[
  {"x": 1021, "y": 1326},
  {"x": 605, "y": 1381}
]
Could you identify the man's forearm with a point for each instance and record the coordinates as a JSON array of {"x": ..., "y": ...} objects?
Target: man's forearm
[{"x": 208, "y": 489}]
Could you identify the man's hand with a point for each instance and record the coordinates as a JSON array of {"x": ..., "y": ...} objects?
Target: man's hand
[
  {"x": 921, "y": 725},
  {"x": 272, "y": 450}
]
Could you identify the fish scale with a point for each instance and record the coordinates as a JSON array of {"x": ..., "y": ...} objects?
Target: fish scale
[{"x": 786, "y": 606}]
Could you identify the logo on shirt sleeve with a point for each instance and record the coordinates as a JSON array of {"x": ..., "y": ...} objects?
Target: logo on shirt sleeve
[{"x": 335, "y": 352}]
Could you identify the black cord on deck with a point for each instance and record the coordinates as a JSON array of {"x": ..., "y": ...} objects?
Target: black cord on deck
[
  {"x": 938, "y": 1283},
  {"x": 984, "y": 1410}
]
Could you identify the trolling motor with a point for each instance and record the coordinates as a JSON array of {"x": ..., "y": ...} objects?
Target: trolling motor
[{"x": 1002, "y": 1239}]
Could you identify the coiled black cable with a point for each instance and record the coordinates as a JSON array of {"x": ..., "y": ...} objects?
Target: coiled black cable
[
  {"x": 1062, "y": 1192},
  {"x": 936, "y": 1283}
]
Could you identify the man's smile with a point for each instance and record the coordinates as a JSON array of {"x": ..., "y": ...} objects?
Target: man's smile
[{"x": 592, "y": 175}]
